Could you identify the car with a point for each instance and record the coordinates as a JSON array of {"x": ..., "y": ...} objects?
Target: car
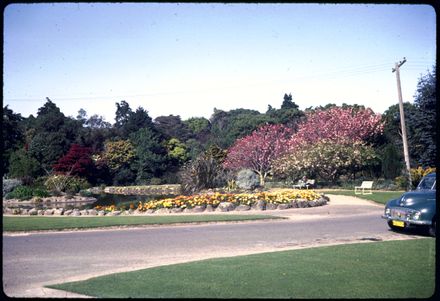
[{"x": 414, "y": 209}]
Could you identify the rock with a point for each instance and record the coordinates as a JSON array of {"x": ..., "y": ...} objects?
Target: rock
[
  {"x": 209, "y": 208},
  {"x": 198, "y": 209},
  {"x": 24, "y": 211},
  {"x": 149, "y": 211},
  {"x": 16, "y": 211},
  {"x": 312, "y": 203},
  {"x": 7, "y": 210},
  {"x": 163, "y": 210},
  {"x": 40, "y": 212},
  {"x": 116, "y": 213},
  {"x": 101, "y": 213},
  {"x": 259, "y": 205},
  {"x": 48, "y": 212},
  {"x": 293, "y": 204},
  {"x": 58, "y": 211},
  {"x": 92, "y": 212},
  {"x": 68, "y": 212},
  {"x": 176, "y": 210},
  {"x": 84, "y": 212},
  {"x": 283, "y": 206},
  {"x": 187, "y": 210},
  {"x": 33, "y": 211},
  {"x": 271, "y": 206},
  {"x": 242, "y": 207},
  {"x": 225, "y": 206},
  {"x": 302, "y": 203},
  {"x": 76, "y": 212}
]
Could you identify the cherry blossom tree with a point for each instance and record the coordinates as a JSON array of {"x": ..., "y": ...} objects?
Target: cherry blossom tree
[
  {"x": 258, "y": 150},
  {"x": 338, "y": 124},
  {"x": 326, "y": 158}
]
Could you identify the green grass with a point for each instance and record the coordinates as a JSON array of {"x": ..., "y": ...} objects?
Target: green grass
[
  {"x": 393, "y": 269},
  {"x": 29, "y": 223},
  {"x": 380, "y": 197}
]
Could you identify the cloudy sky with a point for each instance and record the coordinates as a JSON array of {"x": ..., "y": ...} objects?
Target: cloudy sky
[{"x": 187, "y": 59}]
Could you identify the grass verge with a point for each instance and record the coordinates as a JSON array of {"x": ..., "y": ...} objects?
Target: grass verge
[
  {"x": 393, "y": 269},
  {"x": 32, "y": 223},
  {"x": 380, "y": 197}
]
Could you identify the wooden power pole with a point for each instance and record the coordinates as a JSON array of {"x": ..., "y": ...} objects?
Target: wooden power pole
[{"x": 402, "y": 121}]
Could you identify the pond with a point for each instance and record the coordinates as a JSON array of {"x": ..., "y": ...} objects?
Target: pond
[{"x": 104, "y": 199}]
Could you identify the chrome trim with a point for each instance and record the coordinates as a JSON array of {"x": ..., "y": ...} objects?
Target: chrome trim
[{"x": 414, "y": 222}]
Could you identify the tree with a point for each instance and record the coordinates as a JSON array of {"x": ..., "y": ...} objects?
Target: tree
[
  {"x": 118, "y": 154},
  {"x": 172, "y": 127},
  {"x": 77, "y": 162},
  {"x": 226, "y": 127},
  {"x": 327, "y": 159},
  {"x": 151, "y": 156},
  {"x": 22, "y": 165},
  {"x": 338, "y": 124},
  {"x": 53, "y": 134},
  {"x": 177, "y": 151},
  {"x": 128, "y": 122},
  {"x": 288, "y": 103},
  {"x": 424, "y": 137},
  {"x": 13, "y": 135},
  {"x": 258, "y": 150},
  {"x": 289, "y": 113}
]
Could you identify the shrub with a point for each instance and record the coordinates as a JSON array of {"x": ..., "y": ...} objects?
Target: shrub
[
  {"x": 247, "y": 179},
  {"x": 20, "y": 192},
  {"x": 40, "y": 192},
  {"x": 9, "y": 185},
  {"x": 63, "y": 183},
  {"x": 204, "y": 172}
]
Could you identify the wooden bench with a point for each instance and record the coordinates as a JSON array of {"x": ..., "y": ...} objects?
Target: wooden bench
[
  {"x": 365, "y": 188},
  {"x": 308, "y": 184}
]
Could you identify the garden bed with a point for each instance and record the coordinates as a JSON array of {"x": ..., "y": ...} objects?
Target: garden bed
[{"x": 215, "y": 202}]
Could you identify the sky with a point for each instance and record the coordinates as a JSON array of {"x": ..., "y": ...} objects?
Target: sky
[{"x": 187, "y": 59}]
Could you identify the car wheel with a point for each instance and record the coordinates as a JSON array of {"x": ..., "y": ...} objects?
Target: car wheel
[
  {"x": 394, "y": 228},
  {"x": 432, "y": 228}
]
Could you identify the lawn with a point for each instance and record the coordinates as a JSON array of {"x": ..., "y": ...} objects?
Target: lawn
[
  {"x": 28, "y": 223},
  {"x": 393, "y": 269},
  {"x": 380, "y": 197}
]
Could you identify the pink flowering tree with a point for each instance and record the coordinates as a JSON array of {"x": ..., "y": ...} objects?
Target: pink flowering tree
[
  {"x": 258, "y": 150},
  {"x": 338, "y": 124},
  {"x": 330, "y": 143}
]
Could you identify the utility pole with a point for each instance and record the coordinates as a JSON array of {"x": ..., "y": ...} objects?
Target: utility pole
[{"x": 402, "y": 121}]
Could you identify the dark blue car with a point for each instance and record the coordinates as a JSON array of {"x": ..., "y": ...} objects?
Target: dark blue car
[{"x": 416, "y": 208}]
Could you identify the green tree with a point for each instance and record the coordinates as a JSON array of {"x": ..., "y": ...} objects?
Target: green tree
[
  {"x": 172, "y": 127},
  {"x": 424, "y": 123},
  {"x": 226, "y": 127},
  {"x": 128, "y": 122},
  {"x": 289, "y": 113},
  {"x": 151, "y": 156},
  {"x": 22, "y": 165},
  {"x": 13, "y": 135},
  {"x": 53, "y": 133}
]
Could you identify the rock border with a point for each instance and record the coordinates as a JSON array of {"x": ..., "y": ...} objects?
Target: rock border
[{"x": 222, "y": 207}]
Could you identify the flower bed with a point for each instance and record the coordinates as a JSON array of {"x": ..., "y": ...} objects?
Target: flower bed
[{"x": 262, "y": 200}]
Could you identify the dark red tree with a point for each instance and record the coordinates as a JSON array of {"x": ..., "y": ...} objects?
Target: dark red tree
[{"x": 77, "y": 162}]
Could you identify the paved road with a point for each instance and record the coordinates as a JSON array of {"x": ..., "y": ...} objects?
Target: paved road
[{"x": 33, "y": 260}]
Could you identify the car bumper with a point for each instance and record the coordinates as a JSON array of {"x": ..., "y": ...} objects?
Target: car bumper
[{"x": 408, "y": 221}]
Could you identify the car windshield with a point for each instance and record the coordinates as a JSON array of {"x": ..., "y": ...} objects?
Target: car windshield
[{"x": 427, "y": 183}]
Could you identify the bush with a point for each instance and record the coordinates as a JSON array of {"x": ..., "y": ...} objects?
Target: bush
[
  {"x": 9, "y": 185},
  {"x": 247, "y": 179},
  {"x": 68, "y": 184},
  {"x": 21, "y": 193},
  {"x": 204, "y": 172},
  {"x": 40, "y": 192}
]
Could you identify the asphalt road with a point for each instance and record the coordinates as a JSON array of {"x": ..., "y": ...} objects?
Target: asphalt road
[{"x": 33, "y": 260}]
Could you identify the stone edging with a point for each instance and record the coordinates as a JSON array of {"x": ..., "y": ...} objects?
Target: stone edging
[{"x": 222, "y": 207}]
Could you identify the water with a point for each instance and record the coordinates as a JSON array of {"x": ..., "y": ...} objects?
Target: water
[{"x": 103, "y": 199}]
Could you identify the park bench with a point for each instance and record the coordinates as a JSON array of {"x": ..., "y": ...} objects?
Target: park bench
[
  {"x": 365, "y": 188},
  {"x": 308, "y": 184}
]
